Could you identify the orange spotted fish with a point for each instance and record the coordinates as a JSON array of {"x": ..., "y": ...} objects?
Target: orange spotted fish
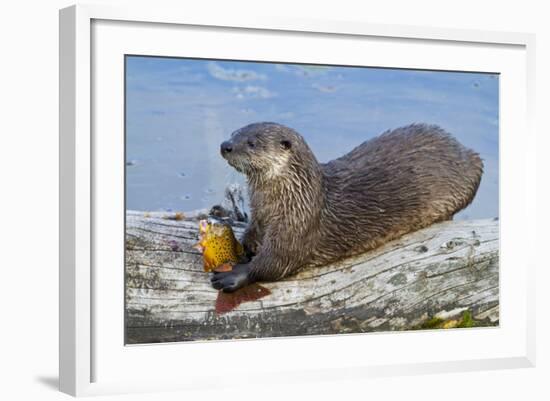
[{"x": 220, "y": 249}]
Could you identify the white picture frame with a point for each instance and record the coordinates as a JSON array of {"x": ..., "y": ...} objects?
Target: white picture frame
[{"x": 84, "y": 349}]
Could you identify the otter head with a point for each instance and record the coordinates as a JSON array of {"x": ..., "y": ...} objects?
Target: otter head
[{"x": 265, "y": 150}]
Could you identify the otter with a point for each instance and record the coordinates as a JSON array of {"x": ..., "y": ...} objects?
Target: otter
[{"x": 306, "y": 213}]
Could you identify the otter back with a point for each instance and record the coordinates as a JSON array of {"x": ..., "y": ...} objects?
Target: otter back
[{"x": 398, "y": 182}]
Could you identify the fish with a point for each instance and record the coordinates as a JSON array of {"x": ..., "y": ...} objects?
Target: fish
[
  {"x": 218, "y": 245},
  {"x": 221, "y": 251}
]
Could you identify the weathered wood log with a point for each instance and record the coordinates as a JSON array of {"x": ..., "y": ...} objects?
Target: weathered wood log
[{"x": 446, "y": 275}]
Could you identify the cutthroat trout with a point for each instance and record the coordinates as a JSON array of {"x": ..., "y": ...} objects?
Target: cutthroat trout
[{"x": 219, "y": 247}]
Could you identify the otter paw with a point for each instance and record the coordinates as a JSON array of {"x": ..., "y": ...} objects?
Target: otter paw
[{"x": 232, "y": 280}]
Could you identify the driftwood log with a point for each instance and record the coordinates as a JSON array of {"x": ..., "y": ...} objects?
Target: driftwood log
[{"x": 444, "y": 276}]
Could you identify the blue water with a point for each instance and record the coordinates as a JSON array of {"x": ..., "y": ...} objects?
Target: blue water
[{"x": 178, "y": 111}]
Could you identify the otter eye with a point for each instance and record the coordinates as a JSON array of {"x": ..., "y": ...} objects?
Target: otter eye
[
  {"x": 250, "y": 143},
  {"x": 286, "y": 144}
]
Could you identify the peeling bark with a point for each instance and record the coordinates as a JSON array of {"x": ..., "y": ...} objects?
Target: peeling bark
[{"x": 432, "y": 278}]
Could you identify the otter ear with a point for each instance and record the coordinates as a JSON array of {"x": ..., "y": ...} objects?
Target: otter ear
[{"x": 286, "y": 144}]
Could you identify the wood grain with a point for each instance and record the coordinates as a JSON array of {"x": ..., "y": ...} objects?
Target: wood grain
[{"x": 427, "y": 279}]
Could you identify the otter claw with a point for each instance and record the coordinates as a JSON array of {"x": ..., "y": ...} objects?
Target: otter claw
[{"x": 232, "y": 280}]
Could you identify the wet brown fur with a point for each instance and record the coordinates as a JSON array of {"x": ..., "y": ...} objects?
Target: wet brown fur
[{"x": 306, "y": 213}]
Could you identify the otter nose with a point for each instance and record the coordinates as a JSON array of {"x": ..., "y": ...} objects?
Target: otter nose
[{"x": 226, "y": 147}]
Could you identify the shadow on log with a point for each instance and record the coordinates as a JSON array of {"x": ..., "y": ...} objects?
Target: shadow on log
[{"x": 444, "y": 276}]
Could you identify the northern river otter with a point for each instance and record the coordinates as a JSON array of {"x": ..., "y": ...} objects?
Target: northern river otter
[{"x": 306, "y": 213}]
